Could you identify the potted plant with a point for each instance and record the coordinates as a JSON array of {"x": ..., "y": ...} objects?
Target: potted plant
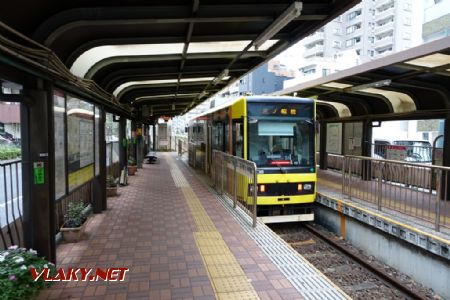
[
  {"x": 111, "y": 186},
  {"x": 132, "y": 167},
  {"x": 75, "y": 222},
  {"x": 16, "y": 268}
]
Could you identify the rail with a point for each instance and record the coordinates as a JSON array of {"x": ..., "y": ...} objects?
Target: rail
[
  {"x": 11, "y": 203},
  {"x": 417, "y": 190},
  {"x": 236, "y": 178}
]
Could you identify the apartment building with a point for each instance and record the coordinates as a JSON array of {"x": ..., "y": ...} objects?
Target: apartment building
[
  {"x": 436, "y": 21},
  {"x": 370, "y": 30}
]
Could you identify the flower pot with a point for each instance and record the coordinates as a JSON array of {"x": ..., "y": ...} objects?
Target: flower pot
[
  {"x": 73, "y": 235},
  {"x": 132, "y": 170},
  {"x": 111, "y": 191}
]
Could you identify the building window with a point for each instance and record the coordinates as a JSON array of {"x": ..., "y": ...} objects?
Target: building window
[
  {"x": 325, "y": 72},
  {"x": 407, "y": 21},
  {"x": 337, "y": 31},
  {"x": 336, "y": 44},
  {"x": 349, "y": 43},
  {"x": 358, "y": 51},
  {"x": 353, "y": 14},
  {"x": 406, "y": 35},
  {"x": 370, "y": 53},
  {"x": 437, "y": 1},
  {"x": 353, "y": 28},
  {"x": 371, "y": 39},
  {"x": 407, "y": 6}
]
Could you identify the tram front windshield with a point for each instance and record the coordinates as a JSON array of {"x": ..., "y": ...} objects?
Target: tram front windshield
[{"x": 281, "y": 135}]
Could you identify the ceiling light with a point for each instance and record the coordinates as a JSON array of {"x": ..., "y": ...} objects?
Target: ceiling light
[
  {"x": 336, "y": 85},
  {"x": 430, "y": 61},
  {"x": 173, "y": 106},
  {"x": 375, "y": 84},
  {"x": 292, "y": 12}
]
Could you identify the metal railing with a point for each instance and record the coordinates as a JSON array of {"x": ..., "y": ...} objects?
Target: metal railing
[
  {"x": 409, "y": 153},
  {"x": 237, "y": 179},
  {"x": 417, "y": 190},
  {"x": 11, "y": 232}
]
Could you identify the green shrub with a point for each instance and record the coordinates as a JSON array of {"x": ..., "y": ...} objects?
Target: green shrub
[
  {"x": 16, "y": 281},
  {"x": 75, "y": 216}
]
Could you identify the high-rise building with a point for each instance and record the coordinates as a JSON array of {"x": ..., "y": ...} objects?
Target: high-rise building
[
  {"x": 436, "y": 20},
  {"x": 369, "y": 30}
]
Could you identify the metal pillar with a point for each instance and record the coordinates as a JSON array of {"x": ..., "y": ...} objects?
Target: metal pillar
[
  {"x": 366, "y": 149},
  {"x": 154, "y": 136},
  {"x": 446, "y": 160},
  {"x": 38, "y": 149},
  {"x": 99, "y": 182},
  {"x": 123, "y": 159},
  {"x": 323, "y": 146}
]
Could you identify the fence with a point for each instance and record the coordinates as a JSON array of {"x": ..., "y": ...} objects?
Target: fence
[
  {"x": 237, "y": 179},
  {"x": 11, "y": 203},
  {"x": 406, "y": 152},
  {"x": 417, "y": 190}
]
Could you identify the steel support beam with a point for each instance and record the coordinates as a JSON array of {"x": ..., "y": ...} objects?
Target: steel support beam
[{"x": 38, "y": 150}]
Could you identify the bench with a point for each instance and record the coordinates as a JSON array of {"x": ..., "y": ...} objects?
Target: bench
[{"x": 151, "y": 157}]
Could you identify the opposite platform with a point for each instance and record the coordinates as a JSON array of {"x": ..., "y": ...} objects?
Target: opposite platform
[{"x": 178, "y": 241}]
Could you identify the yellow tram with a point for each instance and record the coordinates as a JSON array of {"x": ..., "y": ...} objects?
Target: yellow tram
[{"x": 278, "y": 134}]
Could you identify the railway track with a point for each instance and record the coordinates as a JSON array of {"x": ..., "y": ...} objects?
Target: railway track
[{"x": 360, "y": 276}]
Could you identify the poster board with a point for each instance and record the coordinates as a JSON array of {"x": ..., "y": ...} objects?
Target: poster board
[
  {"x": 80, "y": 137},
  {"x": 334, "y": 138},
  {"x": 59, "y": 112}
]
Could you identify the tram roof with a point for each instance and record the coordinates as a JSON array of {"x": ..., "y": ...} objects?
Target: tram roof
[
  {"x": 409, "y": 84},
  {"x": 169, "y": 54}
]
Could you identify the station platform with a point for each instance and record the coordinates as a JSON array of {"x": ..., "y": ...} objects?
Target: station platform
[
  {"x": 397, "y": 222},
  {"x": 180, "y": 241}
]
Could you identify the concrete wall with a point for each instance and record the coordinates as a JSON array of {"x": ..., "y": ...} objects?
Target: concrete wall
[{"x": 422, "y": 266}]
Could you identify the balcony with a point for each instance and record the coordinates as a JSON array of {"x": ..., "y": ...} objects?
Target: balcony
[
  {"x": 379, "y": 29},
  {"x": 381, "y": 3},
  {"x": 385, "y": 13},
  {"x": 384, "y": 42},
  {"x": 314, "y": 38},
  {"x": 314, "y": 51}
]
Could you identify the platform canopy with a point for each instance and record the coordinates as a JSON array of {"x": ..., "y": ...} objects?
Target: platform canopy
[
  {"x": 167, "y": 55},
  {"x": 411, "y": 83}
]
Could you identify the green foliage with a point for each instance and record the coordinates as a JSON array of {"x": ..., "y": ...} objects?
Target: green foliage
[
  {"x": 16, "y": 281},
  {"x": 9, "y": 152},
  {"x": 75, "y": 216},
  {"x": 131, "y": 161},
  {"x": 111, "y": 181}
]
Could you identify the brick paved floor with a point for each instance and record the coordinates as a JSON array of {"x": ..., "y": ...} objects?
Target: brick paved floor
[{"x": 149, "y": 229}]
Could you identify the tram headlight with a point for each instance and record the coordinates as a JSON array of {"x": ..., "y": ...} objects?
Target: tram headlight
[{"x": 307, "y": 186}]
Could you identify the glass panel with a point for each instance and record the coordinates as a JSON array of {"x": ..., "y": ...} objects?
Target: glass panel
[
  {"x": 80, "y": 137},
  {"x": 59, "y": 112},
  {"x": 273, "y": 128},
  {"x": 97, "y": 141},
  {"x": 281, "y": 134}
]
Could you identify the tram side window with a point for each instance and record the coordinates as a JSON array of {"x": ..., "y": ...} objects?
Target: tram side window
[
  {"x": 218, "y": 136},
  {"x": 238, "y": 139}
]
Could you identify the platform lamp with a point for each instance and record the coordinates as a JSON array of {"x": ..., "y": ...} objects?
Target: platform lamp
[{"x": 293, "y": 11}]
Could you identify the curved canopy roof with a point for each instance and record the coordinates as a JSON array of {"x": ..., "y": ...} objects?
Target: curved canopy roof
[
  {"x": 169, "y": 54},
  {"x": 408, "y": 83}
]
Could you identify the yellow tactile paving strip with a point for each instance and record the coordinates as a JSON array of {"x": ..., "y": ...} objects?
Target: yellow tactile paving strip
[{"x": 227, "y": 277}]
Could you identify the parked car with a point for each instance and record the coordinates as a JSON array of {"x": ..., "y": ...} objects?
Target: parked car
[{"x": 416, "y": 150}]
